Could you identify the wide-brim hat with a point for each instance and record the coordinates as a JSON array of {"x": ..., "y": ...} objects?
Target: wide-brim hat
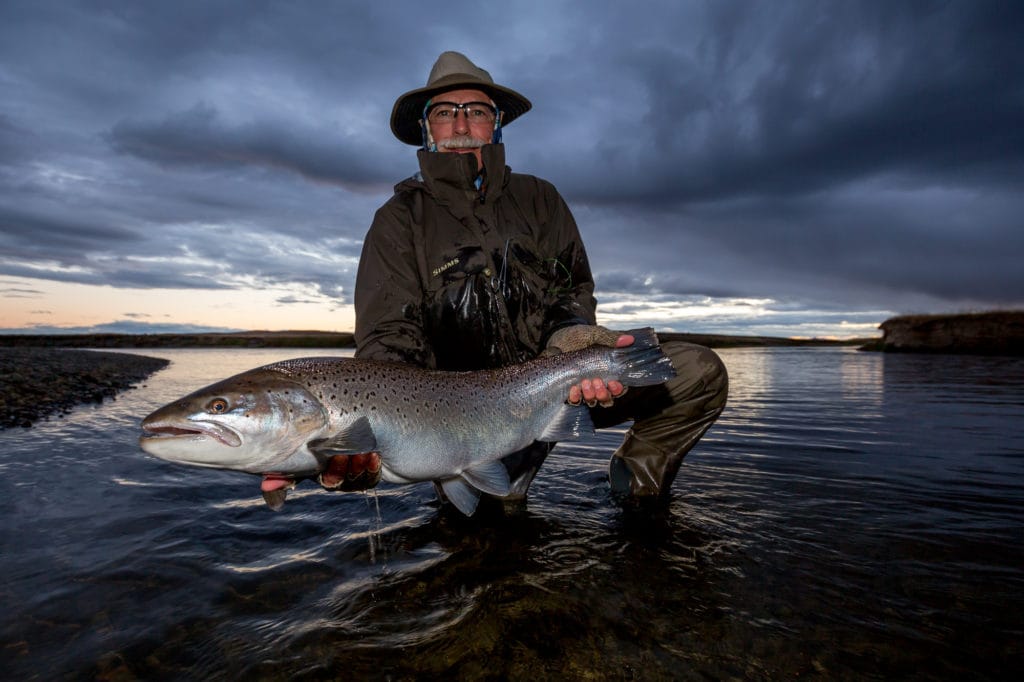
[{"x": 452, "y": 71}]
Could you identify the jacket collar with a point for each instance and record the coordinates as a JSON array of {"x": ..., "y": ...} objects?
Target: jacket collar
[{"x": 452, "y": 177}]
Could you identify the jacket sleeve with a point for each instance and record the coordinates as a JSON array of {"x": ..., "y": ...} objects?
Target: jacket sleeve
[
  {"x": 570, "y": 299},
  {"x": 388, "y": 292}
]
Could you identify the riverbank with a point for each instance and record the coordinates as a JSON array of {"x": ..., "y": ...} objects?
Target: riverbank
[{"x": 37, "y": 383}]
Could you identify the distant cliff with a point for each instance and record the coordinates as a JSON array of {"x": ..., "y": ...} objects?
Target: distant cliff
[{"x": 993, "y": 333}]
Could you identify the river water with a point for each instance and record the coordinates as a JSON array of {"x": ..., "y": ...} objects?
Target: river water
[{"x": 850, "y": 516}]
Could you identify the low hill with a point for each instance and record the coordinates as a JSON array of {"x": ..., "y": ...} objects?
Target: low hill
[{"x": 988, "y": 333}]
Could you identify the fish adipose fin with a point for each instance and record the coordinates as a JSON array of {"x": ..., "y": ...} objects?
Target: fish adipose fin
[
  {"x": 642, "y": 362},
  {"x": 354, "y": 439},
  {"x": 571, "y": 423},
  {"x": 460, "y": 493}
]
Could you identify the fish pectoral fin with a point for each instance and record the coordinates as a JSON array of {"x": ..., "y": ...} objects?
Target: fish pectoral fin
[
  {"x": 354, "y": 439},
  {"x": 491, "y": 478},
  {"x": 275, "y": 498},
  {"x": 460, "y": 493},
  {"x": 571, "y": 423}
]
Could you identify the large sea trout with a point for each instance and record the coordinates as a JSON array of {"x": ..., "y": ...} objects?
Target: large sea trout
[{"x": 285, "y": 420}]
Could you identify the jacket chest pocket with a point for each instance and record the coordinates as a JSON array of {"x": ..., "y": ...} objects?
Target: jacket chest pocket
[{"x": 455, "y": 266}]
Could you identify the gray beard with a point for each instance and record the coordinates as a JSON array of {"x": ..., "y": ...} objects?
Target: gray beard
[{"x": 462, "y": 142}]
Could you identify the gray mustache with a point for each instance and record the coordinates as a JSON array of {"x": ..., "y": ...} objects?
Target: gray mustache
[{"x": 462, "y": 142}]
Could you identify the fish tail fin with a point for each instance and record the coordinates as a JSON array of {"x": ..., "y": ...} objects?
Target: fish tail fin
[{"x": 643, "y": 363}]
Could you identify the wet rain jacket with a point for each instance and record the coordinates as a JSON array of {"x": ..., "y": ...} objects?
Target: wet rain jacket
[{"x": 458, "y": 279}]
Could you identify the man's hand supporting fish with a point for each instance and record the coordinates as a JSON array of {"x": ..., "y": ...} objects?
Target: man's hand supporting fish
[
  {"x": 285, "y": 421},
  {"x": 592, "y": 391}
]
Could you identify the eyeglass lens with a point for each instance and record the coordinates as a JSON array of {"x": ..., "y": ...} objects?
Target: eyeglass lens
[{"x": 441, "y": 112}]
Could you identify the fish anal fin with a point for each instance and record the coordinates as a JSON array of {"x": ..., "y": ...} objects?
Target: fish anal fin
[
  {"x": 355, "y": 438},
  {"x": 460, "y": 493},
  {"x": 571, "y": 423},
  {"x": 491, "y": 478}
]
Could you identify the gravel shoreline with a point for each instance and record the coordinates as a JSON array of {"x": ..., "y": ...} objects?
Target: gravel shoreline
[{"x": 36, "y": 383}]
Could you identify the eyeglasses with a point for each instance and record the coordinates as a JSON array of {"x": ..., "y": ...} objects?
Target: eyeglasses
[{"x": 476, "y": 112}]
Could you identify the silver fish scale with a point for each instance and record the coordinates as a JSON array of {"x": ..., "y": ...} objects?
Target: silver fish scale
[{"x": 425, "y": 421}]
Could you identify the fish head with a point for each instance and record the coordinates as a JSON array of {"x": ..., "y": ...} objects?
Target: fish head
[{"x": 258, "y": 422}]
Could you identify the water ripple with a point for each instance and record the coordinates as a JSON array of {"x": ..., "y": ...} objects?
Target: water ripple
[{"x": 850, "y": 516}]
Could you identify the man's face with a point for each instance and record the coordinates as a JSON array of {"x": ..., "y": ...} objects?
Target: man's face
[{"x": 468, "y": 128}]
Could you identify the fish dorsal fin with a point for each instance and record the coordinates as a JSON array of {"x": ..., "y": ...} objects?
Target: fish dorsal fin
[
  {"x": 354, "y": 439},
  {"x": 275, "y": 498},
  {"x": 464, "y": 496},
  {"x": 571, "y": 423},
  {"x": 490, "y": 477}
]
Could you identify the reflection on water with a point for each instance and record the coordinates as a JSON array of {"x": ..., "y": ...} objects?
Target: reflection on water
[{"x": 851, "y": 515}]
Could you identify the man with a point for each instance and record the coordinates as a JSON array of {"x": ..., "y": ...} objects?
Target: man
[{"x": 470, "y": 266}]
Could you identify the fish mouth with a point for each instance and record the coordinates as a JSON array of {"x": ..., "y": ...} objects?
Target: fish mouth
[{"x": 192, "y": 431}]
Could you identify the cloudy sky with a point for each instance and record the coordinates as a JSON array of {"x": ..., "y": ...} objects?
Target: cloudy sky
[{"x": 795, "y": 168}]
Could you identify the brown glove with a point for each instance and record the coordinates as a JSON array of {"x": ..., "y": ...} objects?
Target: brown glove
[{"x": 580, "y": 336}]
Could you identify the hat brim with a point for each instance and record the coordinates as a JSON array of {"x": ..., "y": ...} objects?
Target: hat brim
[{"x": 408, "y": 109}]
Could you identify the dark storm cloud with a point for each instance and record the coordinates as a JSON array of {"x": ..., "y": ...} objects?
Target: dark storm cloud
[
  {"x": 797, "y": 97},
  {"x": 12, "y": 145},
  {"x": 672, "y": 284},
  {"x": 863, "y": 156},
  {"x": 928, "y": 241},
  {"x": 23, "y": 233},
  {"x": 197, "y": 137}
]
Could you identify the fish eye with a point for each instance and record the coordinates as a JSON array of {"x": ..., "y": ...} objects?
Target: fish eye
[{"x": 217, "y": 406}]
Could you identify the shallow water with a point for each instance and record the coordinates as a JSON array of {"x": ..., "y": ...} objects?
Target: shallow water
[{"x": 850, "y": 516}]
